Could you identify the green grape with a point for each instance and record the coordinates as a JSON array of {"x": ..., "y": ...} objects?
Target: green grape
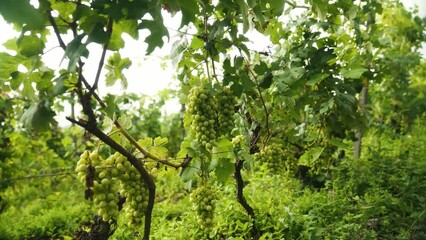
[
  {"x": 82, "y": 164},
  {"x": 115, "y": 175},
  {"x": 276, "y": 159},
  {"x": 226, "y": 101},
  {"x": 136, "y": 193},
  {"x": 203, "y": 202},
  {"x": 202, "y": 110}
]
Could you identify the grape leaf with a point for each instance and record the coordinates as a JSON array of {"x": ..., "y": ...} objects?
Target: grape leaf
[
  {"x": 355, "y": 72},
  {"x": 159, "y": 141},
  {"x": 310, "y": 156},
  {"x": 76, "y": 49},
  {"x": 125, "y": 122},
  {"x": 158, "y": 31},
  {"x": 22, "y": 13},
  {"x": 38, "y": 117},
  {"x": 146, "y": 142},
  {"x": 187, "y": 173},
  {"x": 224, "y": 169}
]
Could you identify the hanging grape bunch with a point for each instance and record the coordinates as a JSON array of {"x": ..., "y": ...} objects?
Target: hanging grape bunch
[
  {"x": 134, "y": 189},
  {"x": 116, "y": 175},
  {"x": 226, "y": 101},
  {"x": 203, "y": 202},
  {"x": 202, "y": 109},
  {"x": 105, "y": 186},
  {"x": 239, "y": 143},
  {"x": 275, "y": 158}
]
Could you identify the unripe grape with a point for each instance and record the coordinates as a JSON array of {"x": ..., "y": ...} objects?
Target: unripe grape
[{"x": 203, "y": 203}]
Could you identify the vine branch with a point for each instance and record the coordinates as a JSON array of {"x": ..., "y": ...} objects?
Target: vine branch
[
  {"x": 241, "y": 199},
  {"x": 102, "y": 60},
  {"x": 294, "y": 5},
  {"x": 262, "y": 100}
]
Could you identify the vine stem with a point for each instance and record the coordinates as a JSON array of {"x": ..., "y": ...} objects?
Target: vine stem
[
  {"x": 241, "y": 199},
  {"x": 102, "y": 60},
  {"x": 262, "y": 100}
]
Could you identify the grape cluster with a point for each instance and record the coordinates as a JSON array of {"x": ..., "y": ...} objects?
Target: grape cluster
[
  {"x": 238, "y": 141},
  {"x": 116, "y": 175},
  {"x": 203, "y": 201},
  {"x": 202, "y": 108},
  {"x": 227, "y": 101},
  {"x": 82, "y": 166},
  {"x": 105, "y": 195},
  {"x": 275, "y": 158},
  {"x": 134, "y": 189}
]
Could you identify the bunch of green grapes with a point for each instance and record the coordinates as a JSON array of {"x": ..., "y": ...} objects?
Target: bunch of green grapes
[
  {"x": 134, "y": 189},
  {"x": 226, "y": 101},
  {"x": 86, "y": 161},
  {"x": 202, "y": 108},
  {"x": 106, "y": 189},
  {"x": 136, "y": 194},
  {"x": 203, "y": 202},
  {"x": 115, "y": 175},
  {"x": 82, "y": 164},
  {"x": 238, "y": 142},
  {"x": 272, "y": 157}
]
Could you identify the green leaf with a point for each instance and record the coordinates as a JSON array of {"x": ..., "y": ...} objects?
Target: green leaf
[
  {"x": 107, "y": 124},
  {"x": 115, "y": 67},
  {"x": 355, "y": 72},
  {"x": 146, "y": 142},
  {"x": 224, "y": 169},
  {"x": 276, "y": 6},
  {"x": 125, "y": 122},
  {"x": 93, "y": 26},
  {"x": 310, "y": 156},
  {"x": 111, "y": 106},
  {"x": 325, "y": 107},
  {"x": 76, "y": 49},
  {"x": 21, "y": 12},
  {"x": 320, "y": 7},
  {"x": 338, "y": 143},
  {"x": 266, "y": 80},
  {"x": 158, "y": 31},
  {"x": 317, "y": 78},
  {"x": 244, "y": 9},
  {"x": 11, "y": 44},
  {"x": 160, "y": 152},
  {"x": 190, "y": 9},
  {"x": 16, "y": 80},
  {"x": 38, "y": 117},
  {"x": 223, "y": 149},
  {"x": 60, "y": 86},
  {"x": 9, "y": 64},
  {"x": 159, "y": 141},
  {"x": 188, "y": 173}
]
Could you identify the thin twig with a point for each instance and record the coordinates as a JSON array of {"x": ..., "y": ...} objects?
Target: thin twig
[
  {"x": 56, "y": 30},
  {"x": 261, "y": 99},
  {"x": 294, "y": 5},
  {"x": 102, "y": 60}
]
